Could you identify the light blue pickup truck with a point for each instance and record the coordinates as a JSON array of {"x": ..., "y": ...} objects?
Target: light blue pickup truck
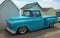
[{"x": 31, "y": 20}]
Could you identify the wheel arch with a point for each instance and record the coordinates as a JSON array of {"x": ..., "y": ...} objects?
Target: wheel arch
[
  {"x": 23, "y": 26},
  {"x": 50, "y": 23}
]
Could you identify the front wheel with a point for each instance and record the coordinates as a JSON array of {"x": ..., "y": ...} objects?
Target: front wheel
[
  {"x": 51, "y": 25},
  {"x": 22, "y": 30}
]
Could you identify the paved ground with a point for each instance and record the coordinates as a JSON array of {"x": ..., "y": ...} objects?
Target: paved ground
[{"x": 44, "y": 33}]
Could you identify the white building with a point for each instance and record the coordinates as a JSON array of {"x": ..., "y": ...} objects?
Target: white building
[{"x": 7, "y": 9}]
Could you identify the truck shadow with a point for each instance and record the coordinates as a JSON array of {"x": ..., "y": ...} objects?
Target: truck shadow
[{"x": 39, "y": 33}]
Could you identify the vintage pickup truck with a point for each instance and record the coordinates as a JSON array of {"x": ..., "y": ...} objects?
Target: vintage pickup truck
[{"x": 31, "y": 20}]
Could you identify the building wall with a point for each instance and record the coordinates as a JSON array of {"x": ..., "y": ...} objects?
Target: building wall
[
  {"x": 21, "y": 12},
  {"x": 44, "y": 13},
  {"x": 7, "y": 11},
  {"x": 36, "y": 7},
  {"x": 51, "y": 12}
]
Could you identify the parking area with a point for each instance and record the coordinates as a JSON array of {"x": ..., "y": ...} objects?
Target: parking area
[{"x": 44, "y": 33}]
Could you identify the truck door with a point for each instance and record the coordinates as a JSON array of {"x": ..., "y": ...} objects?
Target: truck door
[{"x": 39, "y": 23}]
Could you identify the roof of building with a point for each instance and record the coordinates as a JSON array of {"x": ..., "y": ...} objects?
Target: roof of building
[
  {"x": 17, "y": 4},
  {"x": 27, "y": 6},
  {"x": 46, "y": 9}
]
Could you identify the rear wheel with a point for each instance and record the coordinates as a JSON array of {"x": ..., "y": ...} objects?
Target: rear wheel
[
  {"x": 22, "y": 30},
  {"x": 51, "y": 25}
]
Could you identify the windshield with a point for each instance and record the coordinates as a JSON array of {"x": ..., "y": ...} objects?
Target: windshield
[{"x": 27, "y": 13}]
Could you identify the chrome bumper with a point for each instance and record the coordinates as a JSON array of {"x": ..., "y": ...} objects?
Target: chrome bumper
[{"x": 9, "y": 30}]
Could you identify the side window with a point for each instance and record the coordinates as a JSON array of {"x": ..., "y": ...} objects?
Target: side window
[{"x": 36, "y": 13}]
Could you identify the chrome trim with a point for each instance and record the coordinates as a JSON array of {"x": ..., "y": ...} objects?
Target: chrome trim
[{"x": 12, "y": 32}]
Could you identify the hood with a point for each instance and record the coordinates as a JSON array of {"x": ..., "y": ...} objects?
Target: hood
[{"x": 17, "y": 19}]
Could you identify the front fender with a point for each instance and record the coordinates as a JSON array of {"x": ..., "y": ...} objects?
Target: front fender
[{"x": 25, "y": 23}]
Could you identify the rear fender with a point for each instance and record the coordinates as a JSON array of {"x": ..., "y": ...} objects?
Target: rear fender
[{"x": 51, "y": 20}]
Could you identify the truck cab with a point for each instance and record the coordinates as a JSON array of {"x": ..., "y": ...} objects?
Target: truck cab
[{"x": 31, "y": 20}]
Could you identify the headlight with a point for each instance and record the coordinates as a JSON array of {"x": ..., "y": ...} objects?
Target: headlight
[{"x": 9, "y": 25}]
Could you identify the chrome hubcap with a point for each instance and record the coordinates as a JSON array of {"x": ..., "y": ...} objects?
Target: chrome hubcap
[{"x": 22, "y": 30}]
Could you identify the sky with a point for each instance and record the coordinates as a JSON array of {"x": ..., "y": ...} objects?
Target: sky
[{"x": 43, "y": 3}]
